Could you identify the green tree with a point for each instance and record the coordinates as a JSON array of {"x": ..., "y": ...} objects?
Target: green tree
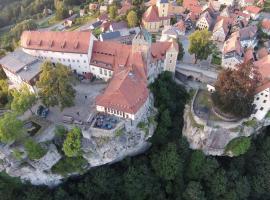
[
  {"x": 2, "y": 74},
  {"x": 140, "y": 184},
  {"x": 195, "y": 166},
  {"x": 34, "y": 150},
  {"x": 238, "y": 146},
  {"x": 200, "y": 44},
  {"x": 61, "y": 10},
  {"x": 55, "y": 85},
  {"x": 181, "y": 51},
  {"x": 17, "y": 30},
  {"x": 11, "y": 128},
  {"x": 113, "y": 11},
  {"x": 218, "y": 184},
  {"x": 167, "y": 163},
  {"x": 132, "y": 18},
  {"x": 23, "y": 100},
  {"x": 194, "y": 191},
  {"x": 4, "y": 93},
  {"x": 72, "y": 143}
]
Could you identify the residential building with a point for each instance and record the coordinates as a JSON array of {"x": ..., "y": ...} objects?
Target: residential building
[
  {"x": 262, "y": 95},
  {"x": 247, "y": 36},
  {"x": 233, "y": 52},
  {"x": 21, "y": 69},
  {"x": 221, "y": 30},
  {"x": 173, "y": 32},
  {"x": 253, "y": 11},
  {"x": 227, "y": 2},
  {"x": 124, "y": 36},
  {"x": 205, "y": 21},
  {"x": 244, "y": 3},
  {"x": 266, "y": 26}
]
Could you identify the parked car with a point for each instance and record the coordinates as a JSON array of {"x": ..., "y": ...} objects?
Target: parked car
[
  {"x": 39, "y": 110},
  {"x": 45, "y": 112}
]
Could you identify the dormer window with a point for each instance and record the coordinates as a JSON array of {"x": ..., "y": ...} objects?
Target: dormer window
[
  {"x": 76, "y": 45},
  {"x": 63, "y": 44}
]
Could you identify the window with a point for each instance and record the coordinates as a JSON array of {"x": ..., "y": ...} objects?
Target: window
[
  {"x": 59, "y": 59},
  {"x": 68, "y": 60},
  {"x": 73, "y": 60},
  {"x": 110, "y": 73},
  {"x": 84, "y": 61},
  {"x": 170, "y": 61},
  {"x": 261, "y": 108},
  {"x": 105, "y": 72},
  {"x": 64, "y": 59},
  {"x": 100, "y": 71},
  {"x": 78, "y": 61},
  {"x": 257, "y": 98},
  {"x": 264, "y": 101}
]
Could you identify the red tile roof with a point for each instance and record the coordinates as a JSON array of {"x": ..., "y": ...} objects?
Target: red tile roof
[
  {"x": 266, "y": 24},
  {"x": 127, "y": 91},
  {"x": 252, "y": 9},
  {"x": 263, "y": 66},
  {"x": 68, "y": 42},
  {"x": 151, "y": 14},
  {"x": 129, "y": 75}
]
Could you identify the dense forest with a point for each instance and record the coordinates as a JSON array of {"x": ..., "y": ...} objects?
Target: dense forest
[{"x": 169, "y": 170}]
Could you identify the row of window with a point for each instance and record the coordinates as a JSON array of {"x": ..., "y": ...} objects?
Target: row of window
[
  {"x": 50, "y": 51},
  {"x": 63, "y": 59},
  {"x": 105, "y": 72},
  {"x": 116, "y": 112}
]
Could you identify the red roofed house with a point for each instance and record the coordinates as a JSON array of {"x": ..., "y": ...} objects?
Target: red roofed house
[
  {"x": 72, "y": 49},
  {"x": 262, "y": 97},
  {"x": 221, "y": 30},
  {"x": 232, "y": 52},
  {"x": 254, "y": 11},
  {"x": 156, "y": 16},
  {"x": 266, "y": 26}
]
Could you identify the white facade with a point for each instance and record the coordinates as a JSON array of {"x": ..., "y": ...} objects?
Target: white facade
[
  {"x": 262, "y": 104},
  {"x": 77, "y": 62},
  {"x": 135, "y": 117},
  {"x": 226, "y": 2},
  {"x": 249, "y": 43},
  {"x": 202, "y": 23},
  {"x": 101, "y": 73},
  {"x": 231, "y": 62}
]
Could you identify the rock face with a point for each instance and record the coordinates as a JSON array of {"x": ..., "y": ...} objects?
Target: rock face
[
  {"x": 98, "y": 149},
  {"x": 213, "y": 140}
]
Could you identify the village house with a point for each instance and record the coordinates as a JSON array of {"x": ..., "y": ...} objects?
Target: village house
[
  {"x": 21, "y": 69},
  {"x": 227, "y": 2},
  {"x": 262, "y": 96},
  {"x": 221, "y": 30},
  {"x": 194, "y": 8},
  {"x": 247, "y": 36},
  {"x": 244, "y": 3},
  {"x": 126, "y": 5},
  {"x": 173, "y": 32},
  {"x": 205, "y": 21},
  {"x": 233, "y": 52},
  {"x": 156, "y": 16},
  {"x": 124, "y": 35},
  {"x": 266, "y": 26},
  {"x": 253, "y": 11}
]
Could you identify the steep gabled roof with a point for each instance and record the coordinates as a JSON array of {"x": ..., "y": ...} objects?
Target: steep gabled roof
[
  {"x": 68, "y": 42},
  {"x": 151, "y": 14}
]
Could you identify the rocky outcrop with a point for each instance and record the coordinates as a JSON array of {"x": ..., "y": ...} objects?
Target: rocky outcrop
[
  {"x": 212, "y": 140},
  {"x": 98, "y": 149}
]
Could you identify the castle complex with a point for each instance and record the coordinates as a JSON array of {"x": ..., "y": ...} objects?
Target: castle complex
[{"x": 128, "y": 68}]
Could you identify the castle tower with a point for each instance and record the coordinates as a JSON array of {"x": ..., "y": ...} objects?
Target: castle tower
[
  {"x": 142, "y": 43},
  {"x": 163, "y": 8}
]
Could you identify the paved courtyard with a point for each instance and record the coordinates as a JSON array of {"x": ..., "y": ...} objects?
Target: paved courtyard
[{"x": 84, "y": 103}]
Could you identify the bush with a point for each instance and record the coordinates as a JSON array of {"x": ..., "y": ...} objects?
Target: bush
[
  {"x": 72, "y": 143},
  {"x": 69, "y": 165},
  {"x": 238, "y": 146},
  {"x": 34, "y": 150}
]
